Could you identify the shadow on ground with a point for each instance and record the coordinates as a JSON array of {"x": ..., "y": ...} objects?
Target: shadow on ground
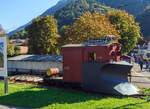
[
  {"x": 40, "y": 97},
  {"x": 33, "y": 98}
]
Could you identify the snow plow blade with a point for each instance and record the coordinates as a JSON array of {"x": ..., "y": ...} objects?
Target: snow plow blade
[{"x": 109, "y": 78}]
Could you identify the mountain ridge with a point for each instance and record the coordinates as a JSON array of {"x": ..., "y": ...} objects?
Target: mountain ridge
[
  {"x": 51, "y": 10},
  {"x": 131, "y": 6},
  {"x": 144, "y": 21},
  {"x": 65, "y": 14}
]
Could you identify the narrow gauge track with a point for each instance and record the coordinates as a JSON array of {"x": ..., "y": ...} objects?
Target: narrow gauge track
[
  {"x": 42, "y": 80},
  {"x": 57, "y": 81}
]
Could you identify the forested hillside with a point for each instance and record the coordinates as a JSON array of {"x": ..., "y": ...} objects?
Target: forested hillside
[
  {"x": 66, "y": 11},
  {"x": 131, "y": 6},
  {"x": 49, "y": 11},
  {"x": 67, "y": 14},
  {"x": 58, "y": 6},
  {"x": 144, "y": 20},
  {"x": 76, "y": 8}
]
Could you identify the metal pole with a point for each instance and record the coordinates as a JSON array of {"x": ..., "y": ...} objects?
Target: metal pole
[{"x": 6, "y": 85}]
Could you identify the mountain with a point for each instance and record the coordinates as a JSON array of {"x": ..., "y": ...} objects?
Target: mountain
[
  {"x": 18, "y": 29},
  {"x": 131, "y": 6},
  {"x": 144, "y": 20},
  {"x": 49, "y": 11},
  {"x": 135, "y": 7},
  {"x": 68, "y": 14},
  {"x": 66, "y": 11},
  {"x": 58, "y": 6}
]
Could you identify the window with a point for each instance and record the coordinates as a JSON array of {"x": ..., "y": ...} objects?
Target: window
[{"x": 92, "y": 57}]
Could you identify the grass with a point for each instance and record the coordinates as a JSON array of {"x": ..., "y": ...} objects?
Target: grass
[{"x": 30, "y": 96}]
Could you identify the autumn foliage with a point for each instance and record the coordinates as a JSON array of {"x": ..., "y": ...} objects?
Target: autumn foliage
[
  {"x": 88, "y": 26},
  {"x": 117, "y": 23},
  {"x": 44, "y": 38}
]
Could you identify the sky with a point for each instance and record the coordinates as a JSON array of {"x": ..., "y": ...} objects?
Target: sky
[{"x": 15, "y": 13}]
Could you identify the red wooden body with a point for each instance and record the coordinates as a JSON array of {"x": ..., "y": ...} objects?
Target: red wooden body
[{"x": 75, "y": 55}]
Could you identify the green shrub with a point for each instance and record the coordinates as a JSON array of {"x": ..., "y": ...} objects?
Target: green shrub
[{"x": 12, "y": 50}]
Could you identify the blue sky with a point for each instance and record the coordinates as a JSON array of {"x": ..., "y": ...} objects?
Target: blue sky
[{"x": 15, "y": 13}]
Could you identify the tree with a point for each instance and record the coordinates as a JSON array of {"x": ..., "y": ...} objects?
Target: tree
[
  {"x": 17, "y": 50},
  {"x": 69, "y": 13},
  {"x": 88, "y": 26},
  {"x": 43, "y": 35},
  {"x": 117, "y": 23},
  {"x": 10, "y": 50},
  {"x": 22, "y": 34},
  {"x": 13, "y": 50},
  {"x": 129, "y": 29},
  {"x": 66, "y": 33}
]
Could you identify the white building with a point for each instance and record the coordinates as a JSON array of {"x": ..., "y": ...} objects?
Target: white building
[{"x": 34, "y": 63}]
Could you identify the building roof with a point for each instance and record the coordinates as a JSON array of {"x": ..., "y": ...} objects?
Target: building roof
[
  {"x": 38, "y": 58},
  {"x": 14, "y": 40},
  {"x": 23, "y": 49}
]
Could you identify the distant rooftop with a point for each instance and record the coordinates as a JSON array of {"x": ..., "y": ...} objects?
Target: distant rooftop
[
  {"x": 23, "y": 49},
  {"x": 39, "y": 58}
]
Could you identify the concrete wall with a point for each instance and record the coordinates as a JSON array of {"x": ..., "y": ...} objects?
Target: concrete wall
[{"x": 28, "y": 65}]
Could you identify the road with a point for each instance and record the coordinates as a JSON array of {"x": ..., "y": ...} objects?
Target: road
[{"x": 140, "y": 78}]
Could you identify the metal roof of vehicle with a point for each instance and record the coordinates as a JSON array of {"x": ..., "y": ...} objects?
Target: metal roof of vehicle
[{"x": 86, "y": 44}]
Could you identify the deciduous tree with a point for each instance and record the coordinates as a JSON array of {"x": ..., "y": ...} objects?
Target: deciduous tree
[
  {"x": 43, "y": 35},
  {"x": 129, "y": 29},
  {"x": 88, "y": 26}
]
